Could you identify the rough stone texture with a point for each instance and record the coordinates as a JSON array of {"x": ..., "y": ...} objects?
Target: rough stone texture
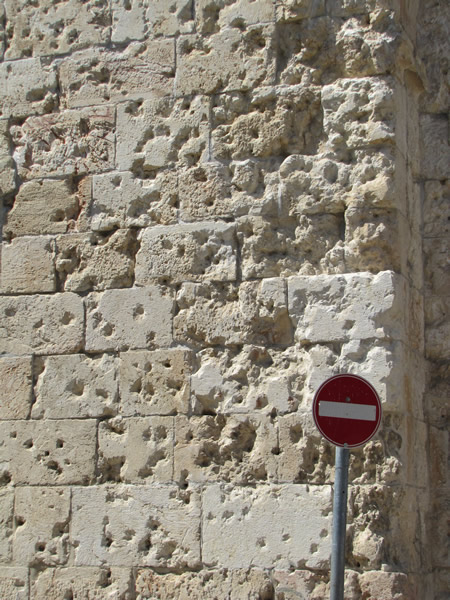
[
  {"x": 15, "y": 391},
  {"x": 14, "y": 583},
  {"x": 28, "y": 266},
  {"x": 7, "y": 171},
  {"x": 6, "y": 522}
]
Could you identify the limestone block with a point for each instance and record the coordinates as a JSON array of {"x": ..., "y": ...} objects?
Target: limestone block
[
  {"x": 154, "y": 383},
  {"x": 42, "y": 207},
  {"x": 219, "y": 584},
  {"x": 137, "y": 19},
  {"x": 82, "y": 582},
  {"x": 329, "y": 308},
  {"x": 296, "y": 10},
  {"x": 50, "y": 452},
  {"x": 92, "y": 261},
  {"x": 7, "y": 170},
  {"x": 73, "y": 142},
  {"x": 292, "y": 585},
  {"x": 42, "y": 516},
  {"x": 436, "y": 255},
  {"x": 437, "y": 409},
  {"x": 359, "y": 113},
  {"x": 271, "y": 121},
  {"x": 15, "y": 391},
  {"x": 225, "y": 61},
  {"x": 133, "y": 318},
  {"x": 262, "y": 519},
  {"x": 136, "y": 450},
  {"x": 435, "y": 148},
  {"x": 136, "y": 526},
  {"x": 14, "y": 583},
  {"x": 41, "y": 324},
  {"x": 380, "y": 585},
  {"x": 344, "y": 8},
  {"x": 6, "y": 525},
  {"x": 436, "y": 208},
  {"x": 95, "y": 76},
  {"x": 123, "y": 200},
  {"x": 157, "y": 134},
  {"x": 194, "y": 252},
  {"x": 54, "y": 28},
  {"x": 28, "y": 87},
  {"x": 214, "y": 15},
  {"x": 238, "y": 449},
  {"x": 225, "y": 314},
  {"x": 437, "y": 310},
  {"x": 28, "y": 266},
  {"x": 76, "y": 386}
]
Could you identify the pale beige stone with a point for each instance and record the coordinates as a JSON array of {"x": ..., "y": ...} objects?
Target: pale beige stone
[
  {"x": 7, "y": 170},
  {"x": 214, "y": 15},
  {"x": 254, "y": 313},
  {"x": 28, "y": 266},
  {"x": 436, "y": 255},
  {"x": 436, "y": 208},
  {"x": 129, "y": 319},
  {"x": 292, "y": 585},
  {"x": 238, "y": 449},
  {"x": 49, "y": 452},
  {"x": 6, "y": 524},
  {"x": 95, "y": 76},
  {"x": 91, "y": 261},
  {"x": 14, "y": 583},
  {"x": 76, "y": 386},
  {"x": 43, "y": 206},
  {"x": 123, "y": 200},
  {"x": 125, "y": 525},
  {"x": 136, "y": 450},
  {"x": 41, "y": 324},
  {"x": 295, "y": 10},
  {"x": 352, "y": 7},
  {"x": 28, "y": 87},
  {"x": 82, "y": 582},
  {"x": 434, "y": 145},
  {"x": 15, "y": 392},
  {"x": 42, "y": 517},
  {"x": 72, "y": 142},
  {"x": 155, "y": 134},
  {"x": 262, "y": 520},
  {"x": 194, "y": 252},
  {"x": 376, "y": 585},
  {"x": 54, "y": 28},
  {"x": 437, "y": 310},
  {"x": 154, "y": 383}
]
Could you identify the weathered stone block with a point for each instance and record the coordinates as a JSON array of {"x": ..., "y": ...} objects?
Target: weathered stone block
[
  {"x": 123, "y": 200},
  {"x": 42, "y": 324},
  {"x": 91, "y": 261},
  {"x": 295, "y": 10},
  {"x": 197, "y": 252},
  {"x": 157, "y": 134},
  {"x": 15, "y": 391},
  {"x": 6, "y": 525},
  {"x": 238, "y": 449},
  {"x": 49, "y": 452},
  {"x": 42, "y": 517},
  {"x": 271, "y": 121},
  {"x": 136, "y": 526},
  {"x": 95, "y": 76},
  {"x": 73, "y": 142},
  {"x": 435, "y": 148},
  {"x": 54, "y": 28},
  {"x": 137, "y": 19},
  {"x": 217, "y": 314},
  {"x": 379, "y": 585},
  {"x": 154, "y": 383},
  {"x": 331, "y": 308},
  {"x": 436, "y": 208},
  {"x": 219, "y": 584},
  {"x": 436, "y": 254},
  {"x": 82, "y": 582},
  {"x": 14, "y": 583},
  {"x": 42, "y": 207},
  {"x": 214, "y": 15},
  {"x": 225, "y": 61},
  {"x": 28, "y": 266},
  {"x": 346, "y": 8},
  {"x": 262, "y": 520},
  {"x": 291, "y": 585},
  {"x": 123, "y": 319},
  {"x": 76, "y": 386},
  {"x": 7, "y": 170},
  {"x": 437, "y": 310},
  {"x": 136, "y": 450}
]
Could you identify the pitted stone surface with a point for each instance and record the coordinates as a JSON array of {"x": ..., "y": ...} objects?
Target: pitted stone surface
[
  {"x": 14, "y": 583},
  {"x": 28, "y": 266},
  {"x": 136, "y": 526},
  {"x": 6, "y": 524},
  {"x": 15, "y": 391}
]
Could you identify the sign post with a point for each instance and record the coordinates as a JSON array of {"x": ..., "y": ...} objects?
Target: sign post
[{"x": 347, "y": 412}]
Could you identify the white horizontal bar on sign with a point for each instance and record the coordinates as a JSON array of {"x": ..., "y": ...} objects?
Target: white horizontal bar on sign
[{"x": 344, "y": 410}]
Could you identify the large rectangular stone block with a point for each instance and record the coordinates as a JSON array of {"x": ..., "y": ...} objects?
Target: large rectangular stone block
[
  {"x": 136, "y": 526},
  {"x": 76, "y": 386},
  {"x": 28, "y": 266},
  {"x": 129, "y": 319},
  {"x": 242, "y": 13},
  {"x": 155, "y": 383},
  {"x": 265, "y": 521},
  {"x": 49, "y": 452},
  {"x": 15, "y": 392},
  {"x": 194, "y": 252},
  {"x": 41, "y": 324}
]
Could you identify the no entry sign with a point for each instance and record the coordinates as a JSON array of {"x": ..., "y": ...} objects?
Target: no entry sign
[{"x": 347, "y": 410}]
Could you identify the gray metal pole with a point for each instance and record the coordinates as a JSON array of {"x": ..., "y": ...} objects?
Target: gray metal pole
[{"x": 339, "y": 523}]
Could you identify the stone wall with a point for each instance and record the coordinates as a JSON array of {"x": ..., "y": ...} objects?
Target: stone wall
[{"x": 209, "y": 207}]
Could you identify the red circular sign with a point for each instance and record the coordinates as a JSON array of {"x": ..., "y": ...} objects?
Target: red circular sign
[{"x": 347, "y": 410}]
